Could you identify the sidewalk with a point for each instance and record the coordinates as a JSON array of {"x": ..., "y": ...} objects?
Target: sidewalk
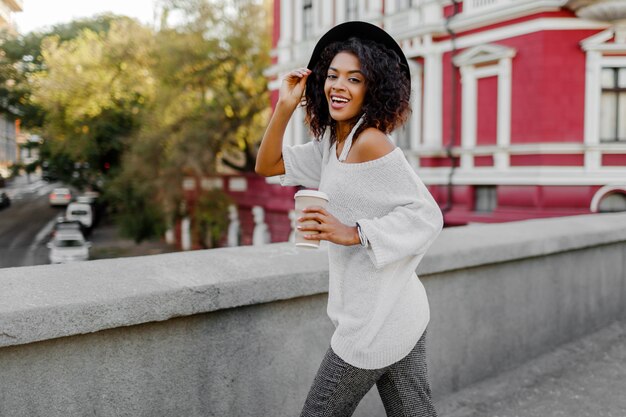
[
  {"x": 108, "y": 243},
  {"x": 586, "y": 378}
]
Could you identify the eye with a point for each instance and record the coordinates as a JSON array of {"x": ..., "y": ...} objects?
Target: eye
[
  {"x": 354, "y": 80},
  {"x": 331, "y": 77}
]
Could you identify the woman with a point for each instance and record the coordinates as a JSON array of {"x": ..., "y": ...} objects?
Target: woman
[{"x": 380, "y": 219}]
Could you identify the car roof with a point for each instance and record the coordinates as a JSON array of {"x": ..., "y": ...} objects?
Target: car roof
[
  {"x": 68, "y": 223},
  {"x": 78, "y": 205},
  {"x": 61, "y": 191},
  {"x": 68, "y": 235}
]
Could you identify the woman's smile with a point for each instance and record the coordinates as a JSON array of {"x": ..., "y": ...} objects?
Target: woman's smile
[
  {"x": 345, "y": 87},
  {"x": 338, "y": 102}
]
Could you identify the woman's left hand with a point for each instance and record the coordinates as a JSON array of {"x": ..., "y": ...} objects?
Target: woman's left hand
[{"x": 328, "y": 226}]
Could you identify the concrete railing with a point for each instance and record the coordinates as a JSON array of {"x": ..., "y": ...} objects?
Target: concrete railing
[{"x": 241, "y": 331}]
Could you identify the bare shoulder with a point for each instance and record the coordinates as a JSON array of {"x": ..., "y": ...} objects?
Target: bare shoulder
[{"x": 371, "y": 144}]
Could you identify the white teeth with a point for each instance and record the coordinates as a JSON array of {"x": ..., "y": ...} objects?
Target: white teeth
[{"x": 340, "y": 99}]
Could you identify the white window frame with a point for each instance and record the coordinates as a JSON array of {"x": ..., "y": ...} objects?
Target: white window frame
[
  {"x": 595, "y": 47},
  {"x": 468, "y": 61}
]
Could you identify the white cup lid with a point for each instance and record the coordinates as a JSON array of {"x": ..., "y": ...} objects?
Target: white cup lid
[{"x": 311, "y": 193}]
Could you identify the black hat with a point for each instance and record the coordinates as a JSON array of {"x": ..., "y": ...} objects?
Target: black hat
[{"x": 361, "y": 30}]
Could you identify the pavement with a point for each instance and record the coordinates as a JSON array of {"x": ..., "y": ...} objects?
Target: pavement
[{"x": 585, "y": 378}]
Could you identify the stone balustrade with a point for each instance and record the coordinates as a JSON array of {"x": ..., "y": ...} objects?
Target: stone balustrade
[{"x": 241, "y": 331}]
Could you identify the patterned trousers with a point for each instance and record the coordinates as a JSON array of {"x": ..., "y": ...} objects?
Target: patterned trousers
[{"x": 403, "y": 386}]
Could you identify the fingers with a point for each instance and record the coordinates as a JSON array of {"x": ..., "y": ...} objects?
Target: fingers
[
  {"x": 319, "y": 220},
  {"x": 299, "y": 73},
  {"x": 297, "y": 76},
  {"x": 316, "y": 209}
]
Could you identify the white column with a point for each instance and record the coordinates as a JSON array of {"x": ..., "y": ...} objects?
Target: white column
[
  {"x": 432, "y": 100},
  {"x": 293, "y": 221},
  {"x": 593, "y": 94},
  {"x": 340, "y": 11},
  {"x": 297, "y": 20},
  {"x": 374, "y": 9},
  {"x": 261, "y": 233},
  {"x": 286, "y": 22},
  {"x": 327, "y": 15},
  {"x": 501, "y": 158},
  {"x": 468, "y": 116},
  {"x": 416, "y": 104},
  {"x": 170, "y": 237},
  {"x": 234, "y": 226},
  {"x": 185, "y": 234}
]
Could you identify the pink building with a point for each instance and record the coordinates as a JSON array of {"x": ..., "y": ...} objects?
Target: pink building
[{"x": 519, "y": 106}]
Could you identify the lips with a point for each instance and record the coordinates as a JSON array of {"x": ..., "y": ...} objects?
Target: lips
[{"x": 338, "y": 102}]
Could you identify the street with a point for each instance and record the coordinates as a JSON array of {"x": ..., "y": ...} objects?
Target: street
[{"x": 25, "y": 225}]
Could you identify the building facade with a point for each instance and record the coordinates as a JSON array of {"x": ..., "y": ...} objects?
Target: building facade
[
  {"x": 7, "y": 8},
  {"x": 519, "y": 106},
  {"x": 8, "y": 146}
]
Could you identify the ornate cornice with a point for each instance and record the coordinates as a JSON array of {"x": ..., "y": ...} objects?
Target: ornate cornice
[{"x": 604, "y": 10}]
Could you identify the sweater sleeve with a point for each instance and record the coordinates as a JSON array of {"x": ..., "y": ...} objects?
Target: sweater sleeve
[
  {"x": 303, "y": 164},
  {"x": 410, "y": 227}
]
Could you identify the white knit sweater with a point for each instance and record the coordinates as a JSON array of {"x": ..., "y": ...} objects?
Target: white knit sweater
[{"x": 375, "y": 300}]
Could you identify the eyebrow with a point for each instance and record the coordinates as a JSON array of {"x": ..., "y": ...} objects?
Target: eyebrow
[{"x": 349, "y": 72}]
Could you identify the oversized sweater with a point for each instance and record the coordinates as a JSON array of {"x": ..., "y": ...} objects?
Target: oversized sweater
[{"x": 375, "y": 300}]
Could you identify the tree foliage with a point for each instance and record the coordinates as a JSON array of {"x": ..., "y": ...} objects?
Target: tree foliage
[
  {"x": 211, "y": 105},
  {"x": 93, "y": 88},
  {"x": 20, "y": 57},
  {"x": 135, "y": 109}
]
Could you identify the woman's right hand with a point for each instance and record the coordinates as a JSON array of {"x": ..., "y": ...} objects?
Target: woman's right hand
[{"x": 293, "y": 85}]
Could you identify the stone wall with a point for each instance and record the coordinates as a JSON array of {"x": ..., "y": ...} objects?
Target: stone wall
[{"x": 241, "y": 331}]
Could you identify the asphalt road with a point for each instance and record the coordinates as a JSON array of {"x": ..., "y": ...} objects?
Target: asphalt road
[{"x": 23, "y": 224}]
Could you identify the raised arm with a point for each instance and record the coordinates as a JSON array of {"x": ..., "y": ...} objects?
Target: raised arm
[{"x": 269, "y": 160}]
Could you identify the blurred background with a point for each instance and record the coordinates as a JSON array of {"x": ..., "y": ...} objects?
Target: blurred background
[
  {"x": 131, "y": 128},
  {"x": 150, "y": 113}
]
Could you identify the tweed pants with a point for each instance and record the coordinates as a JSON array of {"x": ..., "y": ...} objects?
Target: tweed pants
[{"x": 403, "y": 387}]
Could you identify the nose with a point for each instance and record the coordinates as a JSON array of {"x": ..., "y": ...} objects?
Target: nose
[{"x": 338, "y": 84}]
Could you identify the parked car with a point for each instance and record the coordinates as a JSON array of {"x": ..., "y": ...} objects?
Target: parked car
[
  {"x": 89, "y": 197},
  {"x": 81, "y": 212},
  {"x": 60, "y": 197},
  {"x": 68, "y": 246},
  {"x": 85, "y": 200},
  {"x": 5, "y": 201},
  {"x": 63, "y": 224}
]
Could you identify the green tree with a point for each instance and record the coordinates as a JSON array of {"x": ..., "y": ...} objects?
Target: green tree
[
  {"x": 210, "y": 107},
  {"x": 93, "y": 88},
  {"x": 211, "y": 215},
  {"x": 20, "y": 57},
  {"x": 214, "y": 62}
]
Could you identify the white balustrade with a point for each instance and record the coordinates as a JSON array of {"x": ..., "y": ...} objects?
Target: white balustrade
[
  {"x": 234, "y": 227},
  {"x": 261, "y": 234}
]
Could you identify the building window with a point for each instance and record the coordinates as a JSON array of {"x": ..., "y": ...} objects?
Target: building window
[
  {"x": 613, "y": 105},
  {"x": 352, "y": 10},
  {"x": 307, "y": 19},
  {"x": 485, "y": 198}
]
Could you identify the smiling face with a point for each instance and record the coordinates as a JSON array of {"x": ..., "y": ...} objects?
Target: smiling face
[{"x": 345, "y": 87}]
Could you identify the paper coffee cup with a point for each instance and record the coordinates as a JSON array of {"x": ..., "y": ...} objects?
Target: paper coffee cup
[{"x": 304, "y": 199}]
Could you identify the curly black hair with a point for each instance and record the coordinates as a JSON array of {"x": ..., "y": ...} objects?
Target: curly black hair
[{"x": 386, "y": 105}]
